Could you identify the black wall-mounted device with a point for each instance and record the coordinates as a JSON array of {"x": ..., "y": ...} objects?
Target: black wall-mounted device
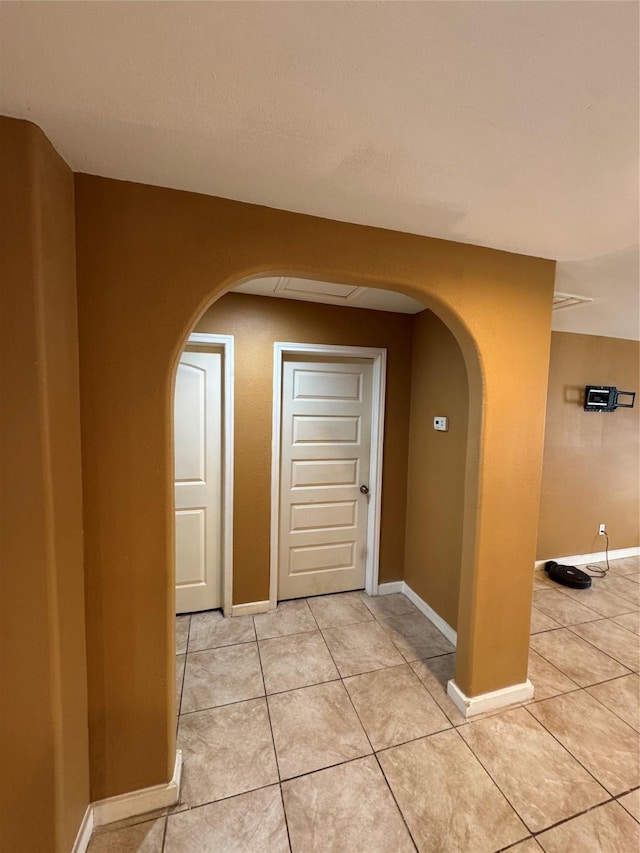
[{"x": 606, "y": 398}]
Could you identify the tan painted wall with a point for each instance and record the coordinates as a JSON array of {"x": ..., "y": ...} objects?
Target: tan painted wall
[
  {"x": 150, "y": 260},
  {"x": 591, "y": 461},
  {"x": 45, "y": 772},
  {"x": 435, "y": 486},
  {"x": 256, "y": 322}
]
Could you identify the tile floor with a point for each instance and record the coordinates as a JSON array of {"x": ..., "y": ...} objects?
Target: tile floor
[{"x": 325, "y": 726}]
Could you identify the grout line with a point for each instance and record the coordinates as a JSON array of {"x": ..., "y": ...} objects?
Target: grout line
[
  {"x": 273, "y": 742},
  {"x": 451, "y": 726},
  {"x": 284, "y": 812},
  {"x": 490, "y": 775},
  {"x": 390, "y": 789},
  {"x": 582, "y": 686},
  {"x": 610, "y": 710},
  {"x": 164, "y": 833},
  {"x": 575, "y": 757},
  {"x": 611, "y": 799}
]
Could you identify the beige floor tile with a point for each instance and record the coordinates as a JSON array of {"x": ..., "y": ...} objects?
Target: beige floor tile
[
  {"x": 221, "y": 676},
  {"x": 249, "y": 822},
  {"x": 180, "y": 659},
  {"x": 447, "y": 799},
  {"x": 298, "y": 660},
  {"x": 395, "y": 604},
  {"x": 630, "y": 621},
  {"x": 625, "y": 566},
  {"x": 529, "y": 845},
  {"x": 315, "y": 727},
  {"x": 330, "y": 611},
  {"x": 613, "y": 640},
  {"x": 541, "y": 622},
  {"x": 182, "y": 633},
  {"x": 211, "y": 630},
  {"x": 631, "y": 802},
  {"x": 606, "y": 829},
  {"x": 416, "y": 637},
  {"x": 361, "y": 648},
  {"x": 601, "y": 742},
  {"x": 541, "y": 780},
  {"x": 622, "y": 696},
  {"x": 541, "y": 580},
  {"x": 624, "y": 587},
  {"x": 226, "y": 751},
  {"x": 141, "y": 838},
  {"x": 291, "y": 617},
  {"x": 546, "y": 679},
  {"x": 560, "y": 607},
  {"x": 575, "y": 657},
  {"x": 394, "y": 706},
  {"x": 344, "y": 809},
  {"x": 435, "y": 673},
  {"x": 598, "y": 599}
]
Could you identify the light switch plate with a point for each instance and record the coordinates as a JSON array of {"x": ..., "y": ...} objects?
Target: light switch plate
[{"x": 441, "y": 424}]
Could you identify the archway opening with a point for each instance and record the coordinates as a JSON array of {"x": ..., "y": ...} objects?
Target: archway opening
[{"x": 424, "y": 470}]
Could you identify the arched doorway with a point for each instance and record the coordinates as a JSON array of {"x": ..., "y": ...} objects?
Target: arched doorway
[{"x": 188, "y": 250}]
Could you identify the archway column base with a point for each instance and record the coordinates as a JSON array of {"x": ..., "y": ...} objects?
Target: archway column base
[{"x": 471, "y": 706}]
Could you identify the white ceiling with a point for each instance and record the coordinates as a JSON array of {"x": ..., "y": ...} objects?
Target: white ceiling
[
  {"x": 307, "y": 290},
  {"x": 504, "y": 124}
]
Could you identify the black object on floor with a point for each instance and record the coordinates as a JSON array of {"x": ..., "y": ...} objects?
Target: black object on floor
[{"x": 567, "y": 575}]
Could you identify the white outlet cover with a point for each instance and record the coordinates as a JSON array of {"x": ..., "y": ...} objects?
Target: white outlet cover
[{"x": 441, "y": 423}]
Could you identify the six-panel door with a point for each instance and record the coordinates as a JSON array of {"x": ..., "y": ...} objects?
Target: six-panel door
[{"x": 325, "y": 457}]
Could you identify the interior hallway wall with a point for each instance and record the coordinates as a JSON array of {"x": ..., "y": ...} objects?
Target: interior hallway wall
[
  {"x": 435, "y": 485},
  {"x": 591, "y": 460},
  {"x": 43, "y": 694},
  {"x": 150, "y": 261},
  {"x": 256, "y": 323}
]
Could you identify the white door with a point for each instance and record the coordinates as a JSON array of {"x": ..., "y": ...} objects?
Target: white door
[
  {"x": 198, "y": 481},
  {"x": 325, "y": 460}
]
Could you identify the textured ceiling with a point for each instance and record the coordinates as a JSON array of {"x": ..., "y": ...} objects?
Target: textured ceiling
[{"x": 505, "y": 124}]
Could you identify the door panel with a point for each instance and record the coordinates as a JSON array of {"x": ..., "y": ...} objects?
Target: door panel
[
  {"x": 198, "y": 481},
  {"x": 325, "y": 458}
]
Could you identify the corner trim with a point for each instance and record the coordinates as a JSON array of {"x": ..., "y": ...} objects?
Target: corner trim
[
  {"x": 84, "y": 832},
  {"x": 390, "y": 587},
  {"x": 251, "y": 608},
  {"x": 470, "y": 706},
  {"x": 423, "y": 607},
  {"x": 138, "y": 802},
  {"x": 596, "y": 557}
]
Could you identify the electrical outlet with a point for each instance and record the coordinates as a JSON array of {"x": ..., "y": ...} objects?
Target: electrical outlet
[{"x": 601, "y": 530}]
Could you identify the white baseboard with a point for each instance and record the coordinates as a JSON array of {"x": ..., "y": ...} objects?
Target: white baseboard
[
  {"x": 431, "y": 615},
  {"x": 423, "y": 607},
  {"x": 596, "y": 557},
  {"x": 128, "y": 805},
  {"x": 390, "y": 587},
  {"x": 138, "y": 802},
  {"x": 251, "y": 608},
  {"x": 469, "y": 706},
  {"x": 84, "y": 833}
]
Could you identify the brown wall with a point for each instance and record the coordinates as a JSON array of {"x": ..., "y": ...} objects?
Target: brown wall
[
  {"x": 150, "y": 261},
  {"x": 591, "y": 461},
  {"x": 256, "y": 322},
  {"x": 45, "y": 778},
  {"x": 437, "y": 460}
]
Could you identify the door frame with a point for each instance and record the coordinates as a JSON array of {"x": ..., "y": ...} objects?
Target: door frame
[
  {"x": 378, "y": 356},
  {"x": 224, "y": 343}
]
